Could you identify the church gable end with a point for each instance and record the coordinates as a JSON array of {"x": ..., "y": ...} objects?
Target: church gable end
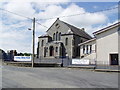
[{"x": 57, "y": 28}]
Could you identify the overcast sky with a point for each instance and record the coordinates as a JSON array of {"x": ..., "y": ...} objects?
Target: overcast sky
[{"x": 14, "y": 34}]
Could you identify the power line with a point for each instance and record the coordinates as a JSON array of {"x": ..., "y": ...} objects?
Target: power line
[
  {"x": 23, "y": 16},
  {"x": 59, "y": 16},
  {"x": 15, "y": 13},
  {"x": 41, "y": 24},
  {"x": 108, "y": 9}
]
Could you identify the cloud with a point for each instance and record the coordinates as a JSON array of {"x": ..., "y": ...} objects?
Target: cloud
[
  {"x": 21, "y": 8},
  {"x": 15, "y": 39},
  {"x": 83, "y": 19},
  {"x": 14, "y": 28},
  {"x": 51, "y": 11}
]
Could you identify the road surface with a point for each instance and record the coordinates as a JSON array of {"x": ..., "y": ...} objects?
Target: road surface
[{"x": 26, "y": 77}]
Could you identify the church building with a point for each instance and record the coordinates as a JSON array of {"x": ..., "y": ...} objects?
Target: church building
[{"x": 61, "y": 40}]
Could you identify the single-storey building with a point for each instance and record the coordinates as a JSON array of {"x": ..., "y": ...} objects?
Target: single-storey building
[{"x": 88, "y": 50}]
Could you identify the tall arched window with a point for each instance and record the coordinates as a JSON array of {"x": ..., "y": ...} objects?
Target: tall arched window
[
  {"x": 83, "y": 49},
  {"x": 90, "y": 48},
  {"x": 66, "y": 41},
  {"x": 54, "y": 37},
  {"x": 59, "y": 36},
  {"x": 42, "y": 43},
  {"x": 87, "y": 49},
  {"x": 56, "y": 49}
]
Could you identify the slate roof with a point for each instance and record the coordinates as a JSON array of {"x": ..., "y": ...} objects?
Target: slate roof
[
  {"x": 78, "y": 31},
  {"x": 93, "y": 39},
  {"x": 44, "y": 36},
  {"x": 75, "y": 30}
]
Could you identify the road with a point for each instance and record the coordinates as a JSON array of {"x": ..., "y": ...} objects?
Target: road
[{"x": 26, "y": 77}]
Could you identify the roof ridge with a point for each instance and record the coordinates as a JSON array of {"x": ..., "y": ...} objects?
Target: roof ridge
[
  {"x": 106, "y": 27},
  {"x": 77, "y": 30},
  {"x": 70, "y": 25}
]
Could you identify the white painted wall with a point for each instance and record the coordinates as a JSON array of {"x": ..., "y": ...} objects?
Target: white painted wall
[
  {"x": 119, "y": 44},
  {"x": 107, "y": 43},
  {"x": 90, "y": 56}
]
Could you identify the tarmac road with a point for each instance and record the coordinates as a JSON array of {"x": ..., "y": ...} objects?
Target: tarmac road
[{"x": 26, "y": 77}]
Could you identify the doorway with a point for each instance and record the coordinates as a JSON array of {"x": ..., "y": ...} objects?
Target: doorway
[
  {"x": 51, "y": 51},
  {"x": 114, "y": 59},
  {"x": 44, "y": 51}
]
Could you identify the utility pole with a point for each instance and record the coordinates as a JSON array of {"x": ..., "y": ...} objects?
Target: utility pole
[{"x": 33, "y": 55}]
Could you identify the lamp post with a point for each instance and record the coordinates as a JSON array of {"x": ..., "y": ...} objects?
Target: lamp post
[
  {"x": 33, "y": 42},
  {"x": 33, "y": 55}
]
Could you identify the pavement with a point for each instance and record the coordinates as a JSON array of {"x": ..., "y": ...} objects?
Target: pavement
[
  {"x": 106, "y": 70},
  {"x": 27, "y": 77},
  {"x": 96, "y": 69}
]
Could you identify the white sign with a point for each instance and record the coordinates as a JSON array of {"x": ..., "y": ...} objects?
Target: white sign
[
  {"x": 80, "y": 61},
  {"x": 22, "y": 58}
]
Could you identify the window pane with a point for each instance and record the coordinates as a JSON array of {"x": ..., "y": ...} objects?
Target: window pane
[
  {"x": 66, "y": 41},
  {"x": 42, "y": 43},
  {"x": 56, "y": 49},
  {"x": 59, "y": 36}
]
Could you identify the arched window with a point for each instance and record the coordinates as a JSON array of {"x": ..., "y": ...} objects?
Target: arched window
[
  {"x": 83, "y": 49},
  {"x": 54, "y": 37},
  {"x": 59, "y": 36},
  {"x": 44, "y": 51},
  {"x": 42, "y": 43},
  {"x": 66, "y": 41},
  {"x": 56, "y": 49},
  {"x": 90, "y": 48},
  {"x": 87, "y": 49}
]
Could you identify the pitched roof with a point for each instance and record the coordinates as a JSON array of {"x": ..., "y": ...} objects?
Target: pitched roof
[
  {"x": 52, "y": 24},
  {"x": 44, "y": 36},
  {"x": 107, "y": 28},
  {"x": 78, "y": 31},
  {"x": 75, "y": 30}
]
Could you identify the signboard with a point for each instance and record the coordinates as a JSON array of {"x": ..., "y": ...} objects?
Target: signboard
[
  {"x": 22, "y": 58},
  {"x": 80, "y": 61}
]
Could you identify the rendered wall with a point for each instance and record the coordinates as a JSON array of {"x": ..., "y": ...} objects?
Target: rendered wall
[{"x": 107, "y": 43}]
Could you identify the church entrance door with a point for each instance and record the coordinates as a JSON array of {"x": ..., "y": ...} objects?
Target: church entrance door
[{"x": 51, "y": 51}]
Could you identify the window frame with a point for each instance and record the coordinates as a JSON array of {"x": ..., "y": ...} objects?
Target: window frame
[
  {"x": 59, "y": 36},
  {"x": 54, "y": 37},
  {"x": 56, "y": 49},
  {"x": 66, "y": 41},
  {"x": 83, "y": 49},
  {"x": 42, "y": 43}
]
